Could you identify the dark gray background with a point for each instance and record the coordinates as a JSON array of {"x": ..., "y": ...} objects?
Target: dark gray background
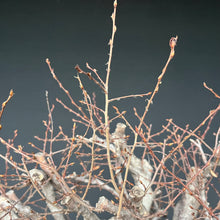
[{"x": 76, "y": 32}]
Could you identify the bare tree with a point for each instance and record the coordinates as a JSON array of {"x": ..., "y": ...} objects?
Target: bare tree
[{"x": 175, "y": 173}]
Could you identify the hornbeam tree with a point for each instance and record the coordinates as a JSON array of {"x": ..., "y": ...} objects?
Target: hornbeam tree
[{"x": 171, "y": 179}]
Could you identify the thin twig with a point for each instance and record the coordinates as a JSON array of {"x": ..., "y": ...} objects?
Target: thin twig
[
  {"x": 11, "y": 93},
  {"x": 211, "y": 90},
  {"x": 173, "y": 41},
  {"x": 129, "y": 96},
  {"x": 107, "y": 97},
  {"x": 95, "y": 71},
  {"x": 79, "y": 70}
]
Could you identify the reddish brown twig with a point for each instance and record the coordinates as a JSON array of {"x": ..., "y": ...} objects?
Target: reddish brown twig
[
  {"x": 211, "y": 90},
  {"x": 11, "y": 93}
]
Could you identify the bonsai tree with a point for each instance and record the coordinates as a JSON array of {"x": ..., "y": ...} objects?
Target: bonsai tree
[{"x": 171, "y": 179}]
